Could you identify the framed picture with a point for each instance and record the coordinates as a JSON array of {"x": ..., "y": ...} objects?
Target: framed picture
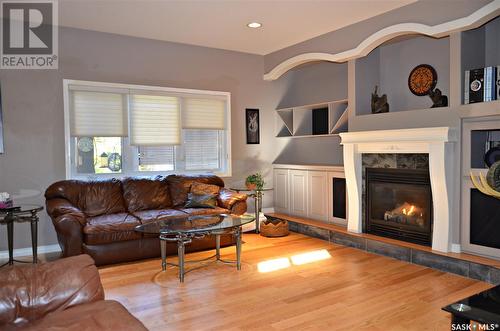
[
  {"x": 253, "y": 126},
  {"x": 1, "y": 125}
]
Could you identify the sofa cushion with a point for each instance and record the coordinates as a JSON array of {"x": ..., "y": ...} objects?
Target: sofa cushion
[
  {"x": 106, "y": 229},
  {"x": 180, "y": 186},
  {"x": 102, "y": 315},
  {"x": 147, "y": 216},
  {"x": 101, "y": 198},
  {"x": 204, "y": 211},
  {"x": 202, "y": 188},
  {"x": 201, "y": 201},
  {"x": 146, "y": 194}
]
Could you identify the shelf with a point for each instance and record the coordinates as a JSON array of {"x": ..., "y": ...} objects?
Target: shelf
[
  {"x": 312, "y": 136},
  {"x": 480, "y": 48},
  {"x": 480, "y": 109},
  {"x": 297, "y": 122},
  {"x": 388, "y": 67}
]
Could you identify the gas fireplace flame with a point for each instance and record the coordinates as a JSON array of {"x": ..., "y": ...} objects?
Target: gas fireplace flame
[{"x": 406, "y": 213}]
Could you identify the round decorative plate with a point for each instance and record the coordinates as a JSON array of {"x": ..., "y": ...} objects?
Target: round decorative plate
[{"x": 422, "y": 79}]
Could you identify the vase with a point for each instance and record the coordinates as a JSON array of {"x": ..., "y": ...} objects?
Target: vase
[{"x": 251, "y": 186}]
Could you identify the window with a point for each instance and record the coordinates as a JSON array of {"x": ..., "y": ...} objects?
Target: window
[{"x": 128, "y": 130}]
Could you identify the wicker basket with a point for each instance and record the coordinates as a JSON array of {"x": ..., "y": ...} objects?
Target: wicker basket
[{"x": 274, "y": 228}]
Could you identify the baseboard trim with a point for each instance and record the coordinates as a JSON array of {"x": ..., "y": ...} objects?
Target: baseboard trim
[{"x": 26, "y": 251}]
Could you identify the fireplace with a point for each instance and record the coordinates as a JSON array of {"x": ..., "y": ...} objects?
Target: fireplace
[{"x": 399, "y": 204}]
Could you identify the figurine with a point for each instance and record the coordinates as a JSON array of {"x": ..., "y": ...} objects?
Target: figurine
[
  {"x": 379, "y": 104},
  {"x": 438, "y": 99}
]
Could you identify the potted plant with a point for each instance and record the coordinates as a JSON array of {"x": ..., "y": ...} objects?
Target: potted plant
[{"x": 255, "y": 182}]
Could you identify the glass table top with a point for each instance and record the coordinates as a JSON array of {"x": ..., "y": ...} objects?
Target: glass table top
[
  {"x": 193, "y": 224},
  {"x": 21, "y": 209},
  {"x": 483, "y": 307},
  {"x": 244, "y": 189}
]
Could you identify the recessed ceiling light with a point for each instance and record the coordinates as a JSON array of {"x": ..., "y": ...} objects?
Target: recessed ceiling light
[{"x": 254, "y": 25}]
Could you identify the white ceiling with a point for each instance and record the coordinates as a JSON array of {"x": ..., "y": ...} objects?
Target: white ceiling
[{"x": 222, "y": 24}]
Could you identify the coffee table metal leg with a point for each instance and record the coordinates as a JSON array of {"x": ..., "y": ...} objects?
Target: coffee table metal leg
[
  {"x": 10, "y": 240},
  {"x": 238, "y": 249},
  {"x": 34, "y": 238},
  {"x": 163, "y": 247},
  {"x": 180, "y": 253},
  {"x": 217, "y": 246}
]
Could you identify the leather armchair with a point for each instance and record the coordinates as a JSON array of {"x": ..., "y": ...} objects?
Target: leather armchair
[{"x": 64, "y": 294}]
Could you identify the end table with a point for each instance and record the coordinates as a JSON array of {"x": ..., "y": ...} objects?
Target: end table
[
  {"x": 21, "y": 214},
  {"x": 257, "y": 195}
]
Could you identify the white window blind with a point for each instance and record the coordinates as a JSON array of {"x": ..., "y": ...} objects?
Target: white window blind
[
  {"x": 157, "y": 156},
  {"x": 97, "y": 114},
  {"x": 202, "y": 149},
  {"x": 201, "y": 113},
  {"x": 154, "y": 120}
]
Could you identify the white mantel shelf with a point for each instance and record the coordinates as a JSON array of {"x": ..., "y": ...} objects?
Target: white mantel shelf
[{"x": 438, "y": 142}]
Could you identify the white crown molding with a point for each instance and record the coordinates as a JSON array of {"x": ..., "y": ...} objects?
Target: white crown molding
[
  {"x": 437, "y": 134},
  {"x": 474, "y": 20}
]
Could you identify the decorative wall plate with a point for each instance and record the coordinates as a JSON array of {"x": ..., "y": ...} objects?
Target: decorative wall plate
[{"x": 422, "y": 79}]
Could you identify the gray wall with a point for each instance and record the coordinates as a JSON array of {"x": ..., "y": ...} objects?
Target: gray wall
[{"x": 33, "y": 106}]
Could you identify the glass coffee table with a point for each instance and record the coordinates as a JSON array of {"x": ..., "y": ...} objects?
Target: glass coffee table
[{"x": 184, "y": 229}]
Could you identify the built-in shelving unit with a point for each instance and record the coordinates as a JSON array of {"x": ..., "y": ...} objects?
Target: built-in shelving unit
[
  {"x": 388, "y": 67},
  {"x": 297, "y": 122},
  {"x": 480, "y": 48}
]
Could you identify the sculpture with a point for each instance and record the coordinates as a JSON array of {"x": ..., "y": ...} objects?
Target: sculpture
[
  {"x": 438, "y": 99},
  {"x": 489, "y": 185},
  {"x": 379, "y": 104}
]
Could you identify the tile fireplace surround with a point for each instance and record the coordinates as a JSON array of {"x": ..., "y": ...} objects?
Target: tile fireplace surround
[{"x": 439, "y": 143}]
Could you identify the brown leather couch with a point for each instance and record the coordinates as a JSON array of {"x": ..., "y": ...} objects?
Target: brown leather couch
[
  {"x": 66, "y": 294},
  {"x": 98, "y": 217}
]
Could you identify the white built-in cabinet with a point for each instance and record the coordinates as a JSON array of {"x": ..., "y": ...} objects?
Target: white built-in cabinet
[
  {"x": 306, "y": 191},
  {"x": 281, "y": 190},
  {"x": 317, "y": 195},
  {"x": 298, "y": 192}
]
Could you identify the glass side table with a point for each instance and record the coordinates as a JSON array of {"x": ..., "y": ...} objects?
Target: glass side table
[
  {"x": 20, "y": 214},
  {"x": 257, "y": 196}
]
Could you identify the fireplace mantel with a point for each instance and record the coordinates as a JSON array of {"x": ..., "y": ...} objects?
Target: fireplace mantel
[{"x": 438, "y": 142}]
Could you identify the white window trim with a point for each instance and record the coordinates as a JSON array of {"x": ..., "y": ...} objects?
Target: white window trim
[{"x": 129, "y": 87}]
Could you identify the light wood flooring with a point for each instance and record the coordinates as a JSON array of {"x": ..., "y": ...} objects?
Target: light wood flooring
[{"x": 352, "y": 290}]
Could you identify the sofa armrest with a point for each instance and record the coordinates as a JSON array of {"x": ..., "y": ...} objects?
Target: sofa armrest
[
  {"x": 68, "y": 222},
  {"x": 58, "y": 207},
  {"x": 228, "y": 198},
  {"x": 239, "y": 208},
  {"x": 28, "y": 293}
]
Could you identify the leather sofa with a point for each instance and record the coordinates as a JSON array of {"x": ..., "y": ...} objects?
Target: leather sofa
[
  {"x": 98, "y": 217},
  {"x": 66, "y": 294}
]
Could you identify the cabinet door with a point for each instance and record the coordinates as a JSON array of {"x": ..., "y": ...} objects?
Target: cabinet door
[
  {"x": 336, "y": 185},
  {"x": 281, "y": 191},
  {"x": 298, "y": 192},
  {"x": 317, "y": 195}
]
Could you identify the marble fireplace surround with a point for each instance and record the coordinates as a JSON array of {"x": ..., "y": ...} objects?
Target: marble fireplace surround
[{"x": 439, "y": 143}]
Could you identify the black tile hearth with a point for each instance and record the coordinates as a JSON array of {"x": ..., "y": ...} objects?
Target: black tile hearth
[
  {"x": 440, "y": 262},
  {"x": 381, "y": 248},
  {"x": 346, "y": 240}
]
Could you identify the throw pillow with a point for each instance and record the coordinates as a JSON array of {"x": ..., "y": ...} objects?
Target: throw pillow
[
  {"x": 202, "y": 188},
  {"x": 201, "y": 201}
]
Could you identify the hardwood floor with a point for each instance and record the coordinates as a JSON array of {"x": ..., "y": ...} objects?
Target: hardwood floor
[{"x": 351, "y": 290}]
